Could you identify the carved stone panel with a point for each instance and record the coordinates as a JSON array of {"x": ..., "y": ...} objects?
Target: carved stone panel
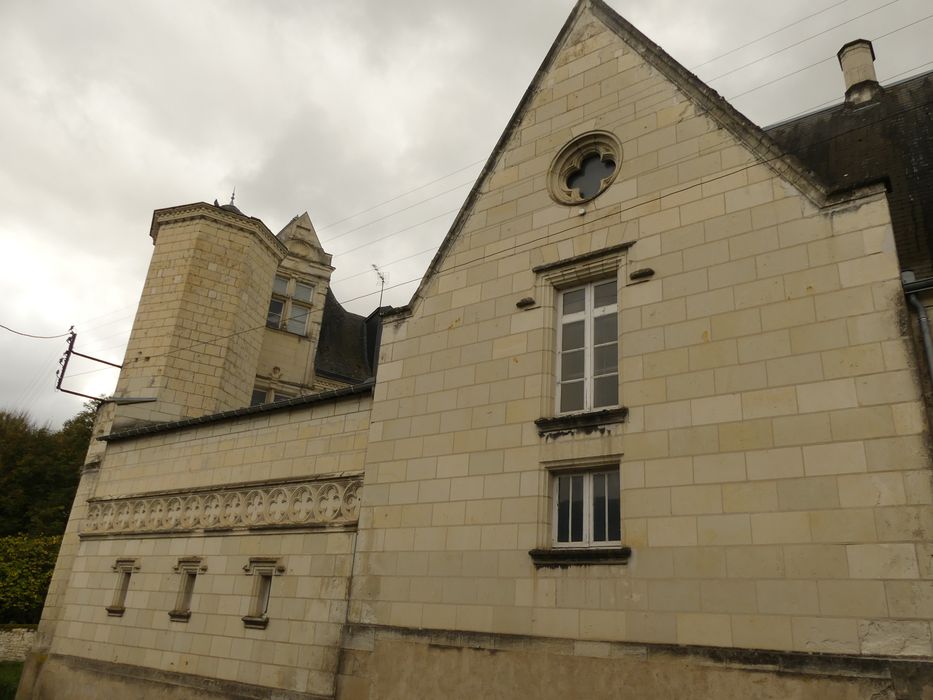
[{"x": 287, "y": 505}]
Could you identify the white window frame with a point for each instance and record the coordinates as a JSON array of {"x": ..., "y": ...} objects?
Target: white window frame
[
  {"x": 587, "y": 541},
  {"x": 289, "y": 302},
  {"x": 588, "y": 315}
]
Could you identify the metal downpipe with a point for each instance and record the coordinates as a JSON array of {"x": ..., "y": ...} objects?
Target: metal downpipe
[
  {"x": 924, "y": 329},
  {"x": 911, "y": 288}
]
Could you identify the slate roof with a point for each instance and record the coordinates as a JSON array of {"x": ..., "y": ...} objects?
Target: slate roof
[
  {"x": 306, "y": 400},
  {"x": 347, "y": 344},
  {"x": 889, "y": 139}
]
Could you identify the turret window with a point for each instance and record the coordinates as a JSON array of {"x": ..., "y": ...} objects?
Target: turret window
[
  {"x": 263, "y": 395},
  {"x": 290, "y": 306}
]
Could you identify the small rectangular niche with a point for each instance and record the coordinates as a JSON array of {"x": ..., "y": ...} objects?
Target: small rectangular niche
[
  {"x": 188, "y": 568},
  {"x": 124, "y": 569},
  {"x": 263, "y": 569}
]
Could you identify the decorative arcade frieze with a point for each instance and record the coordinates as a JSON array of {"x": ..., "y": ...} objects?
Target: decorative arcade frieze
[{"x": 319, "y": 503}]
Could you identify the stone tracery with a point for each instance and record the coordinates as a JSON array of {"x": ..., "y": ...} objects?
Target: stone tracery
[{"x": 312, "y": 503}]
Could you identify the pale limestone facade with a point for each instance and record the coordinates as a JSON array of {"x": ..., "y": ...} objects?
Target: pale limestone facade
[
  {"x": 774, "y": 475},
  {"x": 773, "y": 457}
]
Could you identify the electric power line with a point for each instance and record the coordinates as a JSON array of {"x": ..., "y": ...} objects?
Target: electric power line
[
  {"x": 473, "y": 164},
  {"x": 589, "y": 222},
  {"x": 646, "y": 95},
  {"x": 512, "y": 251},
  {"x": 823, "y": 60},
  {"x": 715, "y": 58},
  {"x": 353, "y": 249},
  {"x": 38, "y": 337},
  {"x": 768, "y": 35},
  {"x": 399, "y": 211},
  {"x": 801, "y": 41},
  {"x": 452, "y": 211},
  {"x": 835, "y": 101},
  {"x": 403, "y": 194}
]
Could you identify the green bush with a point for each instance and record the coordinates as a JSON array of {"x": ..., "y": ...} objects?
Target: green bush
[
  {"x": 26, "y": 565},
  {"x": 9, "y": 678}
]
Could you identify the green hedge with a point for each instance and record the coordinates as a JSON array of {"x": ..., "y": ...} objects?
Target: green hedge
[{"x": 26, "y": 565}]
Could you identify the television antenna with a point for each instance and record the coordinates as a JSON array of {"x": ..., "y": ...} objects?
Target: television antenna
[{"x": 382, "y": 282}]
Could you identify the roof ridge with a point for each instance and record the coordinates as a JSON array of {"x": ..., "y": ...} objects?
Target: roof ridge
[
  {"x": 749, "y": 134},
  {"x": 513, "y": 121},
  {"x": 732, "y": 119}
]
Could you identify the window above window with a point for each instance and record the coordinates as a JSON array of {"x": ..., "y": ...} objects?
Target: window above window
[
  {"x": 290, "y": 306},
  {"x": 586, "y": 509},
  {"x": 303, "y": 292},
  {"x": 588, "y": 348},
  {"x": 586, "y": 518}
]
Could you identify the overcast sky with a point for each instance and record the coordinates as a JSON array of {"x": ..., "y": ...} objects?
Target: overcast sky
[{"x": 373, "y": 116}]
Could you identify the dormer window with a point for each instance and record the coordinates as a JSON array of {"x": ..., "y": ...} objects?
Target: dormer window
[{"x": 290, "y": 306}]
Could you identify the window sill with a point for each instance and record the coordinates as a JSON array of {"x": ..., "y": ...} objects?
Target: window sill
[
  {"x": 179, "y": 615},
  {"x": 588, "y": 422},
  {"x": 255, "y": 623},
  {"x": 590, "y": 556},
  {"x": 115, "y": 611}
]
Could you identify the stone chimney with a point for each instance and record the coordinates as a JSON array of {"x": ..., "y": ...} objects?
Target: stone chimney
[{"x": 857, "y": 60}]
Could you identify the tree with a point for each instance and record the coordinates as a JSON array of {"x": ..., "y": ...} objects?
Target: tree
[
  {"x": 26, "y": 565},
  {"x": 39, "y": 474},
  {"x": 39, "y": 471}
]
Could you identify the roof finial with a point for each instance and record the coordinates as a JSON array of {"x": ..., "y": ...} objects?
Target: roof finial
[{"x": 233, "y": 194}]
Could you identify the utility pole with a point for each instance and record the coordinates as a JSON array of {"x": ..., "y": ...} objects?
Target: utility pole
[{"x": 70, "y": 350}]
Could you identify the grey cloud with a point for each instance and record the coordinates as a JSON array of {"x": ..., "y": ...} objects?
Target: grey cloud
[{"x": 111, "y": 110}]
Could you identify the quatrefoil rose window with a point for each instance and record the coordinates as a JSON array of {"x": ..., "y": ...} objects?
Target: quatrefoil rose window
[{"x": 585, "y": 167}]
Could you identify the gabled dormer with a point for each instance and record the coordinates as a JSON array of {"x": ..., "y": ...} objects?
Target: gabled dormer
[{"x": 295, "y": 309}]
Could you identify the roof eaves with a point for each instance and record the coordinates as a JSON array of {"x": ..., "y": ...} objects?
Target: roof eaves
[
  {"x": 751, "y": 135},
  {"x": 747, "y": 132},
  {"x": 322, "y": 397},
  {"x": 497, "y": 150},
  {"x": 185, "y": 211}
]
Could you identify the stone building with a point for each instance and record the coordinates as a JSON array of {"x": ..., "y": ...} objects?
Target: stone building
[{"x": 652, "y": 426}]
